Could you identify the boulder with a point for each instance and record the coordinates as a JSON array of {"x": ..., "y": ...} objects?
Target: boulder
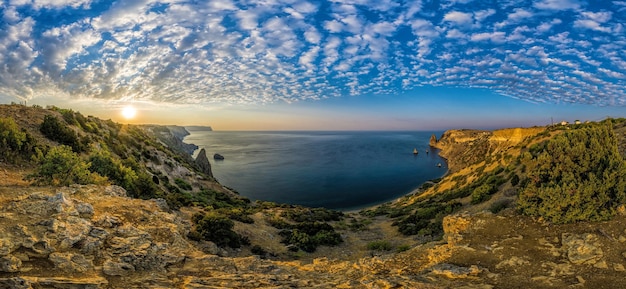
[
  {"x": 582, "y": 248},
  {"x": 115, "y": 191},
  {"x": 218, "y": 157}
]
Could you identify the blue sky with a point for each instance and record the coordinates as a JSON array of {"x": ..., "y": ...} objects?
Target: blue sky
[{"x": 296, "y": 64}]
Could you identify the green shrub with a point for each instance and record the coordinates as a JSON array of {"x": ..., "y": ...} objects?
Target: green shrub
[
  {"x": 302, "y": 214},
  {"x": 403, "y": 248},
  {"x": 16, "y": 145},
  {"x": 62, "y": 167},
  {"x": 307, "y": 236},
  {"x": 481, "y": 194},
  {"x": 182, "y": 184},
  {"x": 381, "y": 245},
  {"x": 54, "y": 129},
  {"x": 217, "y": 229},
  {"x": 579, "y": 175}
]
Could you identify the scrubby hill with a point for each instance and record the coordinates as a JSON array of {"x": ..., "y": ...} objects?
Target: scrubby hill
[{"x": 88, "y": 203}]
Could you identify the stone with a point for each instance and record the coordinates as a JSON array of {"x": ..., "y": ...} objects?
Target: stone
[
  {"x": 108, "y": 221},
  {"x": 582, "y": 249},
  {"x": 618, "y": 267},
  {"x": 513, "y": 262},
  {"x": 85, "y": 210},
  {"x": 161, "y": 204},
  {"x": 6, "y": 246},
  {"x": 117, "y": 269},
  {"x": 115, "y": 191},
  {"x": 15, "y": 283},
  {"x": 10, "y": 264},
  {"x": 71, "y": 263},
  {"x": 60, "y": 203},
  {"x": 455, "y": 272},
  {"x": 75, "y": 230}
]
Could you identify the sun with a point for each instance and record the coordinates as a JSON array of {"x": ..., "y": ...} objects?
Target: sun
[{"x": 129, "y": 112}]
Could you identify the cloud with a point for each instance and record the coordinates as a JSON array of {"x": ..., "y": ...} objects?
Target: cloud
[
  {"x": 557, "y": 5},
  {"x": 239, "y": 51},
  {"x": 459, "y": 18}
]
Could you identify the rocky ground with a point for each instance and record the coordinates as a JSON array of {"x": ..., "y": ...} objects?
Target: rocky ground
[{"x": 95, "y": 237}]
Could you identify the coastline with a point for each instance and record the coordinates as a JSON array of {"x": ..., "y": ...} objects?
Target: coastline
[{"x": 384, "y": 186}]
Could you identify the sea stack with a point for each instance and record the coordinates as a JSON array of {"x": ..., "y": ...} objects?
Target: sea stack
[
  {"x": 202, "y": 161},
  {"x": 433, "y": 140}
]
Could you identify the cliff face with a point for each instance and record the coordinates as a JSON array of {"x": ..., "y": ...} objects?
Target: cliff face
[
  {"x": 463, "y": 148},
  {"x": 173, "y": 136}
]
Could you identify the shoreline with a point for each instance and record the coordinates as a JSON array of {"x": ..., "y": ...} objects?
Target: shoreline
[
  {"x": 373, "y": 205},
  {"x": 412, "y": 192}
]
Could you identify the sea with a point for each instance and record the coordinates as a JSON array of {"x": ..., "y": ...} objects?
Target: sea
[{"x": 342, "y": 170}]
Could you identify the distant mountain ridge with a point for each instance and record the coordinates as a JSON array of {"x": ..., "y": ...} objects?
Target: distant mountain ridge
[{"x": 198, "y": 128}]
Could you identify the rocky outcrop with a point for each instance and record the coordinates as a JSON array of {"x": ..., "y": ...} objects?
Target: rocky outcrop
[
  {"x": 463, "y": 148},
  {"x": 202, "y": 161},
  {"x": 433, "y": 140}
]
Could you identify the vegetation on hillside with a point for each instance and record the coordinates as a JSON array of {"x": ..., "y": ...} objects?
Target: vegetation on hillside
[{"x": 578, "y": 175}]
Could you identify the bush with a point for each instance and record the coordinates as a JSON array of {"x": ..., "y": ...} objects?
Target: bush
[
  {"x": 579, "y": 175},
  {"x": 182, "y": 184},
  {"x": 217, "y": 229},
  {"x": 381, "y": 245},
  {"x": 62, "y": 167},
  {"x": 15, "y": 144},
  {"x": 53, "y": 129},
  {"x": 307, "y": 236}
]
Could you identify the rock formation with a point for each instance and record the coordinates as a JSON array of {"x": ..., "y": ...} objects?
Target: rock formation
[
  {"x": 202, "y": 161},
  {"x": 433, "y": 140}
]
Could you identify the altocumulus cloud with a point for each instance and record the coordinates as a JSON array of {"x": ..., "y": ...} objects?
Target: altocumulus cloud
[{"x": 246, "y": 51}]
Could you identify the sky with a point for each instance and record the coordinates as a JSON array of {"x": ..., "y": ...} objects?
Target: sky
[{"x": 319, "y": 65}]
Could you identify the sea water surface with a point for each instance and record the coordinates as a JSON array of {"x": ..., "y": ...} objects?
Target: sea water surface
[{"x": 337, "y": 170}]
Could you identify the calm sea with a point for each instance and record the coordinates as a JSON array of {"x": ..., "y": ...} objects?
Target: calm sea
[{"x": 337, "y": 170}]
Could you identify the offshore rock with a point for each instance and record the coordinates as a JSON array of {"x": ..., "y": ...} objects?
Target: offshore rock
[
  {"x": 433, "y": 140},
  {"x": 202, "y": 161}
]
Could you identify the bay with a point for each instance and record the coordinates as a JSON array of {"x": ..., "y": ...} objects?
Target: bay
[{"x": 336, "y": 170}]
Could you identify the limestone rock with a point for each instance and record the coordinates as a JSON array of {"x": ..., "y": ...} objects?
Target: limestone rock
[
  {"x": 454, "y": 225},
  {"x": 117, "y": 269},
  {"x": 7, "y": 246},
  {"x": 14, "y": 283},
  {"x": 108, "y": 221},
  {"x": 202, "y": 161},
  {"x": 433, "y": 140},
  {"x": 455, "y": 272},
  {"x": 72, "y": 231},
  {"x": 115, "y": 191},
  {"x": 10, "y": 264},
  {"x": 71, "y": 263},
  {"x": 85, "y": 210},
  {"x": 582, "y": 249}
]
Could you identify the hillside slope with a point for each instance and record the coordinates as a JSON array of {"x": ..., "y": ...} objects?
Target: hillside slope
[{"x": 176, "y": 227}]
